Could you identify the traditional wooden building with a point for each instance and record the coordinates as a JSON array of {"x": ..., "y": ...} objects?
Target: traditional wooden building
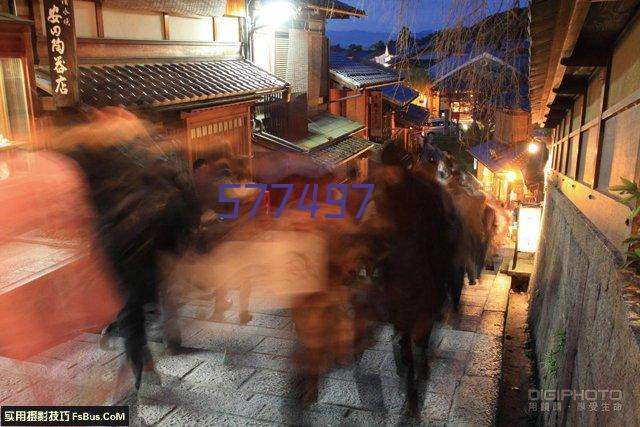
[
  {"x": 510, "y": 165},
  {"x": 355, "y": 93},
  {"x": 585, "y": 309},
  {"x": 407, "y": 118},
  {"x": 204, "y": 72},
  {"x": 179, "y": 64},
  {"x": 375, "y": 97},
  {"x": 464, "y": 86},
  {"x": 18, "y": 100},
  {"x": 307, "y": 124}
]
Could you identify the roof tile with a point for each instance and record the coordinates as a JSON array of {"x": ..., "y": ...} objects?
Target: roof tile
[
  {"x": 399, "y": 94},
  {"x": 356, "y": 75},
  {"x": 335, "y": 154},
  {"x": 151, "y": 85}
]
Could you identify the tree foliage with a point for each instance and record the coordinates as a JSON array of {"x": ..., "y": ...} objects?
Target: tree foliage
[
  {"x": 379, "y": 45},
  {"x": 630, "y": 196}
]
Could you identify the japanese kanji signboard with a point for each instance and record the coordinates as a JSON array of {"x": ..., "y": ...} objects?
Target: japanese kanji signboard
[
  {"x": 61, "y": 45},
  {"x": 375, "y": 117}
]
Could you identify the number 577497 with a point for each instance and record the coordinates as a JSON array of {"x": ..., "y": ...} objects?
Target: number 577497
[{"x": 308, "y": 200}]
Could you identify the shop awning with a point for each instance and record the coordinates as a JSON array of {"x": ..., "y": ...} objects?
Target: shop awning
[
  {"x": 335, "y": 154},
  {"x": 497, "y": 157},
  {"x": 139, "y": 86},
  {"x": 399, "y": 94},
  {"x": 413, "y": 115},
  {"x": 355, "y": 75}
]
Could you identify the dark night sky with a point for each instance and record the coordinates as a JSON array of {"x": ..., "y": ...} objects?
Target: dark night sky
[{"x": 420, "y": 15}]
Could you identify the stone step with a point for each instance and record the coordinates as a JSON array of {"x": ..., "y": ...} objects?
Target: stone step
[{"x": 236, "y": 374}]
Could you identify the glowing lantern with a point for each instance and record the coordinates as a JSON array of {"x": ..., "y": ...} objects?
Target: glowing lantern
[{"x": 529, "y": 224}]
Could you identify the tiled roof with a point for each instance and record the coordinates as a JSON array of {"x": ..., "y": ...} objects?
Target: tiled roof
[
  {"x": 336, "y": 6},
  {"x": 152, "y": 85},
  {"x": 323, "y": 129},
  {"x": 455, "y": 64},
  {"x": 414, "y": 115},
  {"x": 355, "y": 75},
  {"x": 375, "y": 152},
  {"x": 496, "y": 156},
  {"x": 456, "y": 73},
  {"x": 336, "y": 154},
  {"x": 399, "y": 94}
]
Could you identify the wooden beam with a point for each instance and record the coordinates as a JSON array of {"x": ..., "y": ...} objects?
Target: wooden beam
[
  {"x": 556, "y": 114},
  {"x": 561, "y": 103},
  {"x": 627, "y": 102},
  {"x": 553, "y": 109},
  {"x": 569, "y": 18},
  {"x": 585, "y": 59},
  {"x": 106, "y": 51},
  {"x": 572, "y": 86}
]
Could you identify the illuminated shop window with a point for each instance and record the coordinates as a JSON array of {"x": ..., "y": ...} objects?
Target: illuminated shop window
[{"x": 14, "y": 114}]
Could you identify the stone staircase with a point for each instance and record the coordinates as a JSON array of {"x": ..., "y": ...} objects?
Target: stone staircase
[{"x": 243, "y": 374}]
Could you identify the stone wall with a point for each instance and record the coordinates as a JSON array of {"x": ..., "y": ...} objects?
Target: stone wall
[{"x": 584, "y": 316}]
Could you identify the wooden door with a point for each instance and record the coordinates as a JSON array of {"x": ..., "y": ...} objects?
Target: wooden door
[{"x": 219, "y": 128}]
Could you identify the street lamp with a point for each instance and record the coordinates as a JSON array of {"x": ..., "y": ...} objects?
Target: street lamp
[
  {"x": 511, "y": 176},
  {"x": 269, "y": 14},
  {"x": 533, "y": 148},
  {"x": 274, "y": 13}
]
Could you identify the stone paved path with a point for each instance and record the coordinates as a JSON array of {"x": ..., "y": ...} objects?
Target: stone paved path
[{"x": 242, "y": 374}]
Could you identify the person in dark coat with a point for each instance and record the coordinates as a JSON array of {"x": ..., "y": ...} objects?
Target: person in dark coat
[
  {"x": 146, "y": 205},
  {"x": 418, "y": 264}
]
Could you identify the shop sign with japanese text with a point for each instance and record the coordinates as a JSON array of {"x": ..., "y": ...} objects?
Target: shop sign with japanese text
[{"x": 61, "y": 45}]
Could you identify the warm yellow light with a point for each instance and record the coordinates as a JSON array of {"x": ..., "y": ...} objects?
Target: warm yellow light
[
  {"x": 533, "y": 148},
  {"x": 529, "y": 225},
  {"x": 511, "y": 176}
]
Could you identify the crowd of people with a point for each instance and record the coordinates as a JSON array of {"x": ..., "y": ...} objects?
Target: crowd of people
[{"x": 402, "y": 261}]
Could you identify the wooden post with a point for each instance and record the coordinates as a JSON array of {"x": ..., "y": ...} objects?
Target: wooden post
[
  {"x": 165, "y": 26},
  {"x": 99, "y": 19},
  {"x": 606, "y": 75}
]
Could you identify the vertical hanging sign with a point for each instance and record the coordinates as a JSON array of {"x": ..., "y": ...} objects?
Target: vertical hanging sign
[
  {"x": 61, "y": 45},
  {"x": 375, "y": 114}
]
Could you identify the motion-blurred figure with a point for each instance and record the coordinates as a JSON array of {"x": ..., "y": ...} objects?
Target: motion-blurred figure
[
  {"x": 146, "y": 205},
  {"x": 417, "y": 263},
  {"x": 208, "y": 176}
]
